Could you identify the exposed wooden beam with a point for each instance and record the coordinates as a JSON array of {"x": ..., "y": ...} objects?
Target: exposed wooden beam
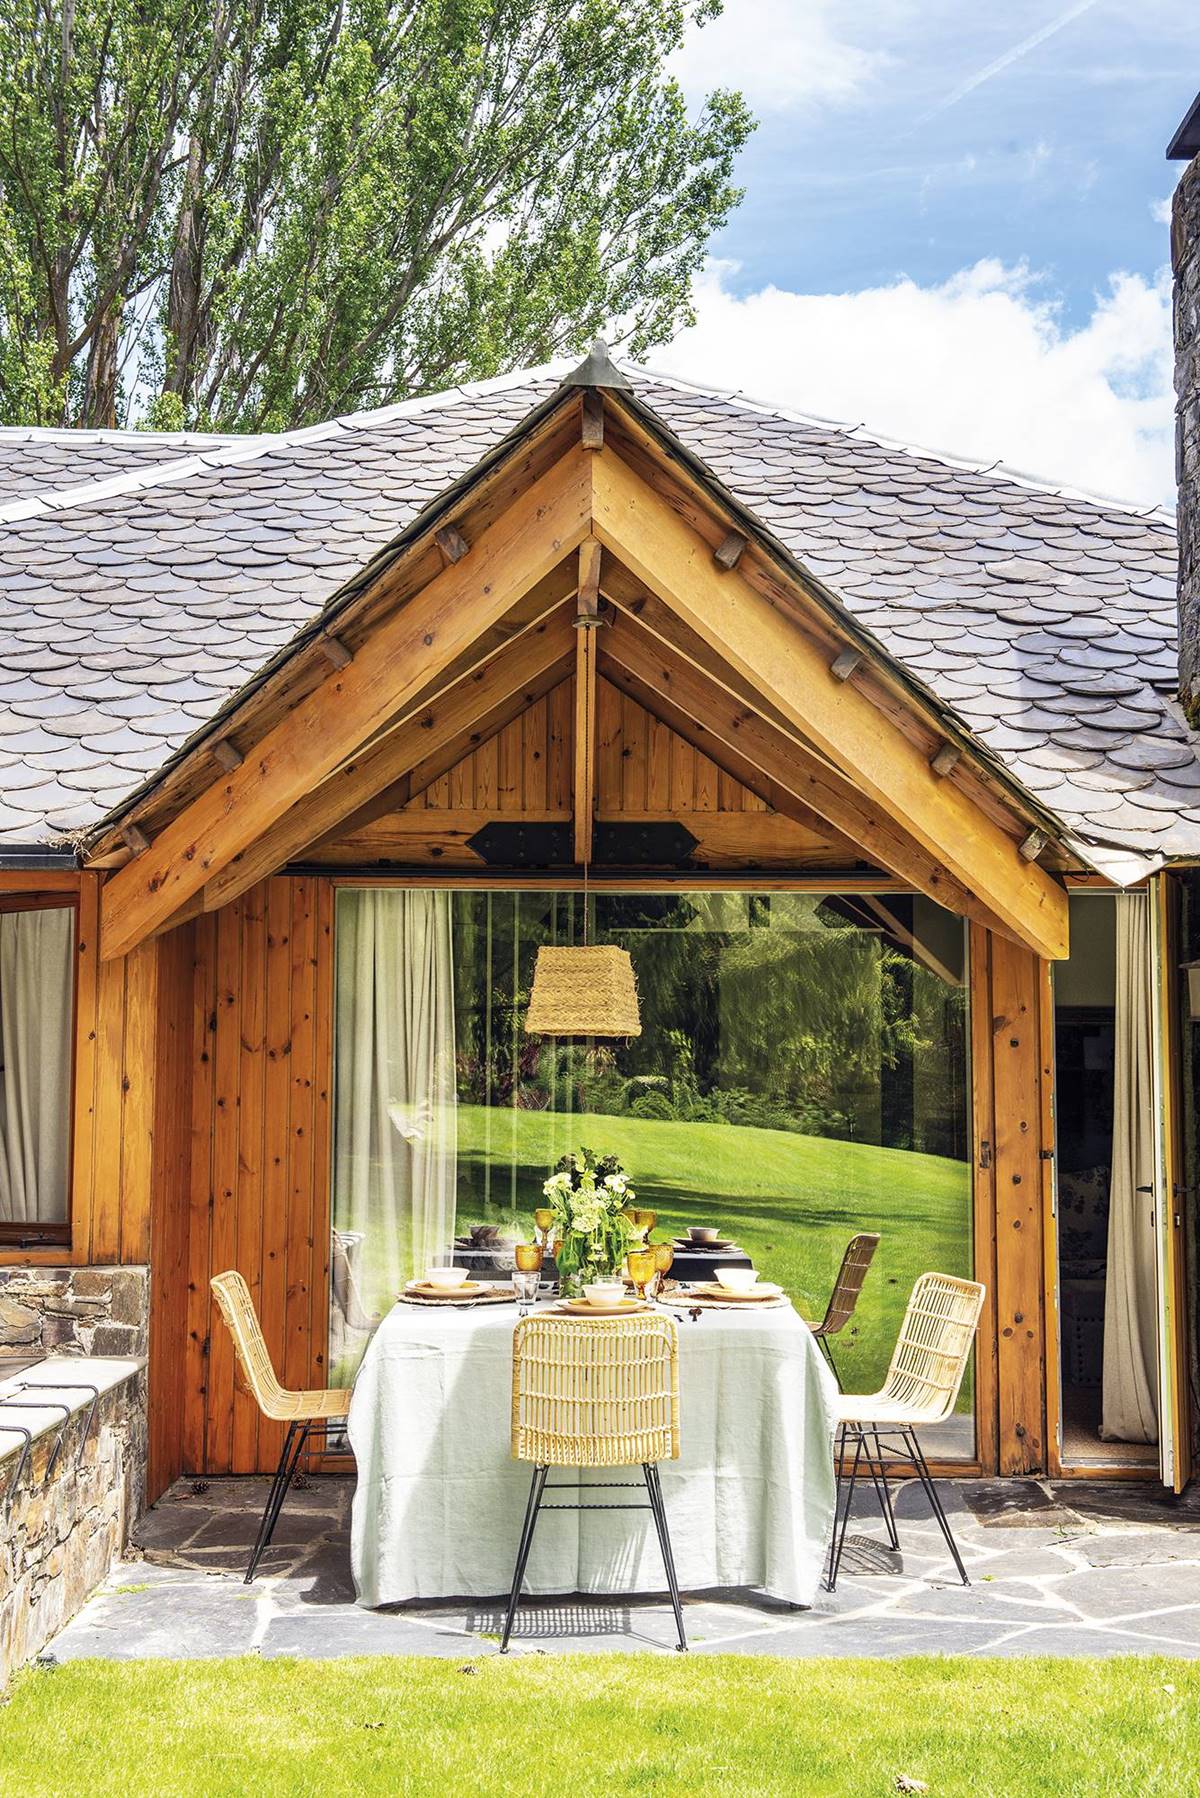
[
  {"x": 406, "y": 650},
  {"x": 447, "y": 755},
  {"x": 583, "y": 785},
  {"x": 726, "y": 756},
  {"x": 452, "y": 543},
  {"x": 842, "y": 722},
  {"x": 686, "y": 699},
  {"x": 442, "y": 725},
  {"x": 592, "y": 421},
  {"x": 588, "y": 610}
]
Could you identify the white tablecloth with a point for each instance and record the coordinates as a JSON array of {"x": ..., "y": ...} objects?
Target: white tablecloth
[{"x": 439, "y": 1502}]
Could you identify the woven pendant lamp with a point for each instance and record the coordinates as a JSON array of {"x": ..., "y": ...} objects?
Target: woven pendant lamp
[{"x": 584, "y": 991}]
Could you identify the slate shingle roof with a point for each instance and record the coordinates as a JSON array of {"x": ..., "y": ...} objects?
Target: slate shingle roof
[
  {"x": 1046, "y": 622},
  {"x": 41, "y": 462}
]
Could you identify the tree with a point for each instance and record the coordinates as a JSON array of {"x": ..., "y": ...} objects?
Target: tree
[{"x": 251, "y": 214}]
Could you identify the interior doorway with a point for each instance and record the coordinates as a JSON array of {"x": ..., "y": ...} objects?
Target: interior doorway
[{"x": 1104, "y": 1210}]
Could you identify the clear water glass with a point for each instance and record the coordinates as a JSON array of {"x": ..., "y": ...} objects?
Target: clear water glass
[{"x": 525, "y": 1284}]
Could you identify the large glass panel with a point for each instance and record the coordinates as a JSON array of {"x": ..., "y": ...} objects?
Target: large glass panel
[{"x": 801, "y": 1075}]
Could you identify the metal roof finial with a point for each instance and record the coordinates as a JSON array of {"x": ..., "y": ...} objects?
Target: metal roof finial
[{"x": 598, "y": 370}]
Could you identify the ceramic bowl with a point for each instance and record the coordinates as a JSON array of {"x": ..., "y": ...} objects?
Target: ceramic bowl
[
  {"x": 703, "y": 1233},
  {"x": 737, "y": 1279},
  {"x": 603, "y": 1292},
  {"x": 445, "y": 1276}
]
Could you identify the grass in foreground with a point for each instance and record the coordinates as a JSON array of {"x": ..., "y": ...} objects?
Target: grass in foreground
[{"x": 611, "y": 1724}]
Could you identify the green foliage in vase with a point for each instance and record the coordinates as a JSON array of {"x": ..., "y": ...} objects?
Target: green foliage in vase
[
  {"x": 588, "y": 1195},
  {"x": 244, "y": 218}
]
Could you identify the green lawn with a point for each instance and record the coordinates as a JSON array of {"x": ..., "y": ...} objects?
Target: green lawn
[
  {"x": 605, "y": 1724},
  {"x": 791, "y": 1201}
]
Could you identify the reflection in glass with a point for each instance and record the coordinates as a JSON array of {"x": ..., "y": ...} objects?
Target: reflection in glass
[{"x": 802, "y": 1074}]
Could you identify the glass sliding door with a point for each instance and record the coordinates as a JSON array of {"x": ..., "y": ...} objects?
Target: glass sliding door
[{"x": 801, "y": 1075}]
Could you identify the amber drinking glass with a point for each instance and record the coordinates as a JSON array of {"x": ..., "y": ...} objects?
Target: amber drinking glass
[
  {"x": 646, "y": 1220},
  {"x": 529, "y": 1257},
  {"x": 641, "y": 1269},
  {"x": 543, "y": 1219}
]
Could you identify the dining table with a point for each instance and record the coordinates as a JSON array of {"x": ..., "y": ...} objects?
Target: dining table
[{"x": 439, "y": 1501}]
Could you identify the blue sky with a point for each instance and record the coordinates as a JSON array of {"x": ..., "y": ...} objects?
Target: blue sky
[{"x": 955, "y": 184}]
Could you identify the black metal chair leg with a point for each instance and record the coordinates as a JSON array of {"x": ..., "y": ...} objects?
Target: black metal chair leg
[
  {"x": 289, "y": 1461},
  {"x": 823, "y": 1345},
  {"x": 839, "y": 1535},
  {"x": 536, "y": 1485},
  {"x": 654, "y": 1492},
  {"x": 877, "y": 1468},
  {"x": 935, "y": 1502}
]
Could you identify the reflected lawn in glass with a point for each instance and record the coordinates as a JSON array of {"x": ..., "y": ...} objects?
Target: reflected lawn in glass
[{"x": 791, "y": 1201}]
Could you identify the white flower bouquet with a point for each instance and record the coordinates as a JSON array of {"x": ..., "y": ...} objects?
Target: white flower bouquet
[{"x": 589, "y": 1196}]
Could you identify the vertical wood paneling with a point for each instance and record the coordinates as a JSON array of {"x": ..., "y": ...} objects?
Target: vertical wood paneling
[
  {"x": 1017, "y": 1075},
  {"x": 105, "y": 1232},
  {"x": 140, "y": 1070},
  {"x": 984, "y": 1145},
  {"x": 200, "y": 1310},
  {"x": 83, "y": 1126},
  {"x": 277, "y": 1116},
  {"x": 301, "y": 1164},
  {"x": 252, "y": 995},
  {"x": 226, "y": 1074},
  {"x": 170, "y": 1208}
]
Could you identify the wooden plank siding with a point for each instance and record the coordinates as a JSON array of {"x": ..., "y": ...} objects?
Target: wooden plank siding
[{"x": 260, "y": 1130}]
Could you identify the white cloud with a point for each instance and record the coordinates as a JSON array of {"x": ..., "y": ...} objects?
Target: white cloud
[
  {"x": 780, "y": 53},
  {"x": 981, "y": 366}
]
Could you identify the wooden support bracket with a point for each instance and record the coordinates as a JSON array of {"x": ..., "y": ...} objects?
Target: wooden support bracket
[
  {"x": 452, "y": 543},
  {"x": 588, "y": 609},
  {"x": 135, "y": 839},
  {"x": 728, "y": 553},
  {"x": 843, "y": 666},
  {"x": 592, "y": 424},
  {"x": 1033, "y": 845},
  {"x": 335, "y": 652},
  {"x": 947, "y": 757},
  {"x": 227, "y": 755}
]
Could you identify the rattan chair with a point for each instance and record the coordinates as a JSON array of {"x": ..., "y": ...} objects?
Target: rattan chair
[
  {"x": 843, "y": 1300},
  {"x": 921, "y": 1388},
  {"x": 595, "y": 1392},
  {"x": 303, "y": 1412}
]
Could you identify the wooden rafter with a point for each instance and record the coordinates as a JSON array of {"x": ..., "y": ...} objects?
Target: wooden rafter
[
  {"x": 405, "y": 652},
  {"x": 636, "y": 525},
  {"x": 583, "y": 785},
  {"x": 691, "y": 702},
  {"x": 443, "y": 726}
]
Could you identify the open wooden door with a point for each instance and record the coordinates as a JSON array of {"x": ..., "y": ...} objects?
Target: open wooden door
[{"x": 1174, "y": 1409}]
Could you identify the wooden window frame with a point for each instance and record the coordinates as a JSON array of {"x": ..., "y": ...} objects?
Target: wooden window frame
[{"x": 20, "y": 1243}]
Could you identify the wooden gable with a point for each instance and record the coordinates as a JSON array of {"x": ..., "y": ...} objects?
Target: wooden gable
[
  {"x": 585, "y": 635},
  {"x": 645, "y": 773}
]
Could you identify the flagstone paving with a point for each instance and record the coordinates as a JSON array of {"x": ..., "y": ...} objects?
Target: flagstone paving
[{"x": 1066, "y": 1569}]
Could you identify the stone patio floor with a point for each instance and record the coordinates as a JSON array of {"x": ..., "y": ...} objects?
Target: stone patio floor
[{"x": 1064, "y": 1569}]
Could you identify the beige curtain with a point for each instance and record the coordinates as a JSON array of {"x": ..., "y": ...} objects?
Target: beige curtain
[
  {"x": 1129, "y": 1403},
  {"x": 395, "y": 1135},
  {"x": 35, "y": 1064}
]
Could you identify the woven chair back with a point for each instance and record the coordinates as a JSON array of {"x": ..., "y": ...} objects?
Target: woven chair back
[
  {"x": 843, "y": 1300},
  {"x": 237, "y": 1308},
  {"x": 592, "y": 1392},
  {"x": 935, "y": 1340}
]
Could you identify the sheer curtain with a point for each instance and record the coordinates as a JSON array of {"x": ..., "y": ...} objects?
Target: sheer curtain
[
  {"x": 395, "y": 1139},
  {"x": 36, "y": 980},
  {"x": 1129, "y": 1405}
]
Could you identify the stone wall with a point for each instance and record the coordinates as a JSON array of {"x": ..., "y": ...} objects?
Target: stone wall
[
  {"x": 61, "y": 1537},
  {"x": 74, "y": 1310},
  {"x": 1185, "y": 258}
]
